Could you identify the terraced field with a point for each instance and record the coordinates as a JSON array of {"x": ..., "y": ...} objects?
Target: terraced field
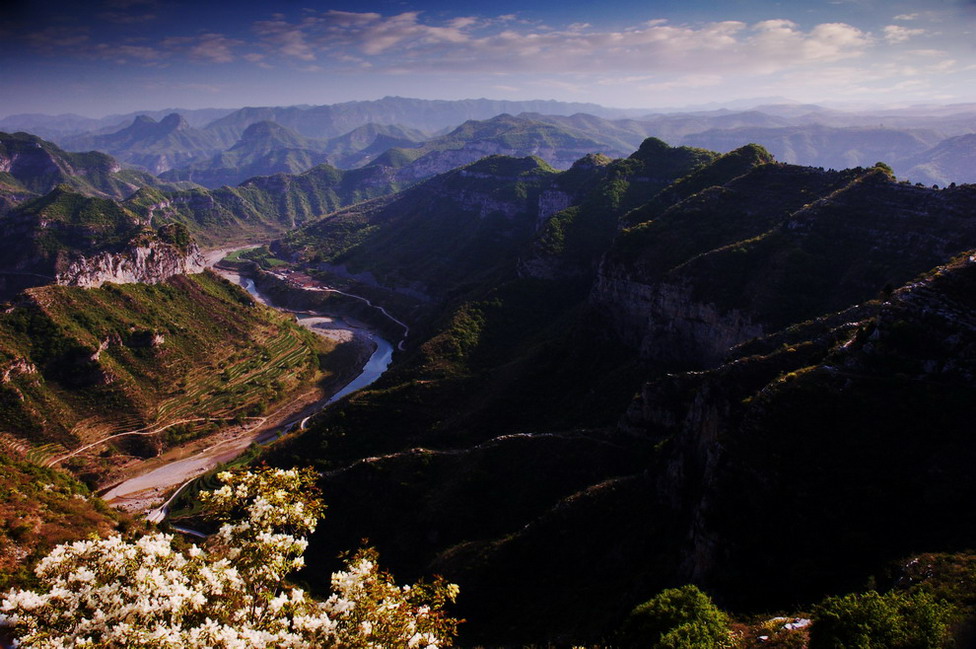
[
  {"x": 243, "y": 382},
  {"x": 142, "y": 367}
]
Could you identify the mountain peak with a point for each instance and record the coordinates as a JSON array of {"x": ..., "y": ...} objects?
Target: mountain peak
[
  {"x": 649, "y": 148},
  {"x": 592, "y": 161},
  {"x": 264, "y": 129},
  {"x": 174, "y": 122}
]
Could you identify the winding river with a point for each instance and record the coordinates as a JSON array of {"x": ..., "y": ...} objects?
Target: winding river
[
  {"x": 144, "y": 492},
  {"x": 378, "y": 362}
]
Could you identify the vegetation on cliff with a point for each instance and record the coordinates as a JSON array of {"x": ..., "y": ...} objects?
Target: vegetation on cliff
[
  {"x": 39, "y": 509},
  {"x": 693, "y": 254}
]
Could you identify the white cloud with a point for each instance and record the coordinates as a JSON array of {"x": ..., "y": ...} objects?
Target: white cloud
[
  {"x": 927, "y": 52},
  {"x": 907, "y": 16},
  {"x": 406, "y": 42},
  {"x": 899, "y": 34},
  {"x": 284, "y": 38},
  {"x": 215, "y": 48},
  {"x": 690, "y": 81}
]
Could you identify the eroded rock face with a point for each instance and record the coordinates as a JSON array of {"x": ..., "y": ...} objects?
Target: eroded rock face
[
  {"x": 17, "y": 366},
  {"x": 666, "y": 324},
  {"x": 149, "y": 264},
  {"x": 550, "y": 202},
  {"x": 868, "y": 409}
]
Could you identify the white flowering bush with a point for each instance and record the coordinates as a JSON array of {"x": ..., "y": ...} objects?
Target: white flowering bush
[{"x": 230, "y": 593}]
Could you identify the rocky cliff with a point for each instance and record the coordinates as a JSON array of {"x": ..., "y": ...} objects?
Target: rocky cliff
[
  {"x": 149, "y": 263},
  {"x": 866, "y": 408},
  {"x": 727, "y": 264},
  {"x": 67, "y": 238}
]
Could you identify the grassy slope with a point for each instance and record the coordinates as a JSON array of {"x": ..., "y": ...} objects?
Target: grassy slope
[
  {"x": 261, "y": 207},
  {"x": 86, "y": 363},
  {"x": 41, "y": 508}
]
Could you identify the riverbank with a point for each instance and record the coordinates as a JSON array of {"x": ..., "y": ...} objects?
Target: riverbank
[{"x": 360, "y": 357}]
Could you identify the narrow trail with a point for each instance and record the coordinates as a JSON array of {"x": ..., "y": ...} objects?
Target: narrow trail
[
  {"x": 154, "y": 431},
  {"x": 328, "y": 289}
]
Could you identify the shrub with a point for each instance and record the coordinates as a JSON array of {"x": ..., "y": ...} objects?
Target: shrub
[
  {"x": 677, "y": 618},
  {"x": 873, "y": 621},
  {"x": 229, "y": 593}
]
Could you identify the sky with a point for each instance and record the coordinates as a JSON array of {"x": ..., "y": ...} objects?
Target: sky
[{"x": 99, "y": 57}]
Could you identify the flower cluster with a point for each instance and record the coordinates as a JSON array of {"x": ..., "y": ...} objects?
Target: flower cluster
[{"x": 230, "y": 593}]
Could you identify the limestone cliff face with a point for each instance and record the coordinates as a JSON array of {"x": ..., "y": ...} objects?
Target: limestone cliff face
[
  {"x": 868, "y": 407},
  {"x": 149, "y": 263},
  {"x": 666, "y": 323},
  {"x": 552, "y": 201},
  {"x": 730, "y": 263}
]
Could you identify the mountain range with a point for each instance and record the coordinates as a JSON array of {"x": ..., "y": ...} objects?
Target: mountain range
[
  {"x": 727, "y": 292},
  {"x": 623, "y": 372},
  {"x": 393, "y": 130}
]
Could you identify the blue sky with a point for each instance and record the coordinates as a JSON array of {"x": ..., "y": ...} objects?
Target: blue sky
[{"x": 113, "y": 56}]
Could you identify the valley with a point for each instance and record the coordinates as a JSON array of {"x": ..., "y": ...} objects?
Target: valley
[
  {"x": 624, "y": 363},
  {"x": 158, "y": 480}
]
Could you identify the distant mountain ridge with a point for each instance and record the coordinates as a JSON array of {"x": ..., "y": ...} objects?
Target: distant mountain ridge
[
  {"x": 265, "y": 148},
  {"x": 802, "y": 134},
  {"x": 57, "y": 127},
  {"x": 30, "y": 167},
  {"x": 950, "y": 161},
  {"x": 155, "y": 146},
  {"x": 426, "y": 115}
]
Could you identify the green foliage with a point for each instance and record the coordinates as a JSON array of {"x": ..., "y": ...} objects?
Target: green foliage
[
  {"x": 888, "y": 171},
  {"x": 193, "y": 351},
  {"x": 260, "y": 255},
  {"x": 262, "y": 206},
  {"x": 176, "y": 234},
  {"x": 40, "y": 508},
  {"x": 677, "y": 618},
  {"x": 871, "y": 620}
]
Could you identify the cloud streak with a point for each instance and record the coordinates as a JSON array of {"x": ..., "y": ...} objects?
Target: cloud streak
[
  {"x": 405, "y": 43},
  {"x": 369, "y": 52}
]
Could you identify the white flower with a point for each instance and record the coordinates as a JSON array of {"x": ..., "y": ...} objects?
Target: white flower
[{"x": 233, "y": 594}]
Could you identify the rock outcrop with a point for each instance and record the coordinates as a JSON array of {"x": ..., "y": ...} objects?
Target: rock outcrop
[
  {"x": 866, "y": 408},
  {"x": 150, "y": 264}
]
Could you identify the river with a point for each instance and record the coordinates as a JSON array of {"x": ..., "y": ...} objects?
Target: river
[
  {"x": 146, "y": 491},
  {"x": 326, "y": 326}
]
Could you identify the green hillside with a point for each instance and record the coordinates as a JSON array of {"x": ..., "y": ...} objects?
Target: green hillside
[
  {"x": 261, "y": 207},
  {"x": 661, "y": 262},
  {"x": 35, "y": 167},
  {"x": 195, "y": 351}
]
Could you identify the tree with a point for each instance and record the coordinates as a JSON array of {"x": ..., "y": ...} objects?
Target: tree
[
  {"x": 677, "y": 618},
  {"x": 230, "y": 593},
  {"x": 870, "y": 620},
  {"x": 885, "y": 168}
]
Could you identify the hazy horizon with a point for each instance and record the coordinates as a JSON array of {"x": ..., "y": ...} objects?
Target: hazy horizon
[{"x": 122, "y": 56}]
